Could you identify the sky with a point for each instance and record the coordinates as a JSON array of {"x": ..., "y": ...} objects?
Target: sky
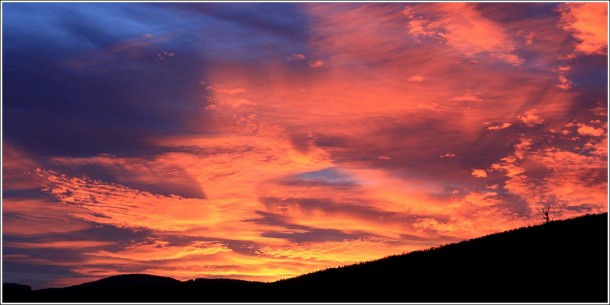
[{"x": 261, "y": 141}]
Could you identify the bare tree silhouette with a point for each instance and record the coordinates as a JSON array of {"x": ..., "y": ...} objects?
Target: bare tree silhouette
[{"x": 545, "y": 213}]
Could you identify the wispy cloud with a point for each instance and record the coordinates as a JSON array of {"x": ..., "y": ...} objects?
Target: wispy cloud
[{"x": 467, "y": 97}]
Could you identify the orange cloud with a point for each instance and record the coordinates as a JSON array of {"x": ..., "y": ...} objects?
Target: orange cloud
[
  {"x": 588, "y": 23},
  {"x": 586, "y": 130},
  {"x": 342, "y": 160},
  {"x": 162, "y": 250},
  {"x": 574, "y": 182},
  {"x": 583, "y": 187},
  {"x": 479, "y": 173},
  {"x": 346, "y": 252},
  {"x": 124, "y": 207},
  {"x": 499, "y": 127}
]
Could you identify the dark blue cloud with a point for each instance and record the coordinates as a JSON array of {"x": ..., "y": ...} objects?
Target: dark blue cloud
[
  {"x": 91, "y": 78},
  {"x": 304, "y": 233},
  {"x": 23, "y": 193},
  {"x": 314, "y": 235},
  {"x": 328, "y": 176},
  {"x": 281, "y": 27},
  {"x": 355, "y": 208},
  {"x": 19, "y": 263},
  {"x": 21, "y": 273},
  {"x": 77, "y": 88},
  {"x": 514, "y": 12}
]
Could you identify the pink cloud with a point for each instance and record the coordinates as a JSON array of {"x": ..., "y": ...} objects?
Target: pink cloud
[
  {"x": 418, "y": 26},
  {"x": 564, "y": 83},
  {"x": 599, "y": 147},
  {"x": 165, "y": 55},
  {"x": 221, "y": 89},
  {"x": 522, "y": 147},
  {"x": 530, "y": 38},
  {"x": 18, "y": 168},
  {"x": 530, "y": 118},
  {"x": 296, "y": 56},
  {"x": 237, "y": 102},
  {"x": 467, "y": 97},
  {"x": 463, "y": 27},
  {"x": 316, "y": 63},
  {"x": 416, "y": 78},
  {"x": 509, "y": 58}
]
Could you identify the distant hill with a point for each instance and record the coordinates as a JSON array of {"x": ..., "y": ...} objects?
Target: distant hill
[
  {"x": 561, "y": 261},
  {"x": 127, "y": 281}
]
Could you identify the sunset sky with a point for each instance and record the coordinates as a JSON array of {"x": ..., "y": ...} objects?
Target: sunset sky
[{"x": 261, "y": 141}]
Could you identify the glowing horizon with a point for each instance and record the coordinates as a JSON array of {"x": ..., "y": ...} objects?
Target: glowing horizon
[{"x": 262, "y": 141}]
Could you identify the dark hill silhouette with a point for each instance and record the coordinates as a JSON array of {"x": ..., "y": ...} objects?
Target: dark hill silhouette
[
  {"x": 561, "y": 261},
  {"x": 128, "y": 280}
]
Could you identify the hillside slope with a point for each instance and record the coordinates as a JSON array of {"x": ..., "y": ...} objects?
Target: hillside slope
[{"x": 562, "y": 261}]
